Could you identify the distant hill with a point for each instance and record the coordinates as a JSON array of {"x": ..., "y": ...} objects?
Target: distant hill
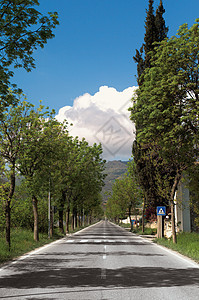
[{"x": 114, "y": 170}]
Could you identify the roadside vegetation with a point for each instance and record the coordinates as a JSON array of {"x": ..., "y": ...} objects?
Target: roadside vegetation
[
  {"x": 187, "y": 244},
  {"x": 147, "y": 231},
  {"x": 165, "y": 113},
  {"x": 47, "y": 177},
  {"x": 23, "y": 242}
]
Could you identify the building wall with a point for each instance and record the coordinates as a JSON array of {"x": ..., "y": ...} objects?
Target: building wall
[{"x": 182, "y": 208}]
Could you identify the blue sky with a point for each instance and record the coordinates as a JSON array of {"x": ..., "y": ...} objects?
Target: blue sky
[
  {"x": 93, "y": 46},
  {"x": 87, "y": 74}
]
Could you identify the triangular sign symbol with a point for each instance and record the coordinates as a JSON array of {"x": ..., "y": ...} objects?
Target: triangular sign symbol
[{"x": 161, "y": 211}]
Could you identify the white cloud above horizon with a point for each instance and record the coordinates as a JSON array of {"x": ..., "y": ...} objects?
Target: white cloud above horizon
[{"x": 103, "y": 118}]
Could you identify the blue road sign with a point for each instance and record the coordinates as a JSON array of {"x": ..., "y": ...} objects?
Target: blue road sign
[{"x": 161, "y": 210}]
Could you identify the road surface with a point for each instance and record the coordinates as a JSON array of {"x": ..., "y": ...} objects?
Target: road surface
[{"x": 103, "y": 261}]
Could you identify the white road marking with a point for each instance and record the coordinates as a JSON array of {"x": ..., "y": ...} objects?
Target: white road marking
[{"x": 70, "y": 241}]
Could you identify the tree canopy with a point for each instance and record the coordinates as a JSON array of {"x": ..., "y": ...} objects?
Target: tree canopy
[
  {"x": 22, "y": 30},
  {"x": 167, "y": 104}
]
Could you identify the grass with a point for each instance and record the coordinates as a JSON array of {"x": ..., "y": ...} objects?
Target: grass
[
  {"x": 22, "y": 241},
  {"x": 187, "y": 244},
  {"x": 124, "y": 225},
  {"x": 147, "y": 231}
]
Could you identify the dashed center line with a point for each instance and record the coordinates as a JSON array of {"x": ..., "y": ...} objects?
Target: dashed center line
[{"x": 98, "y": 241}]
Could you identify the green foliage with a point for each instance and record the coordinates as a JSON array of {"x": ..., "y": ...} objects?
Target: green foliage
[
  {"x": 155, "y": 31},
  {"x": 126, "y": 195},
  {"x": 147, "y": 231},
  {"x": 22, "y": 242},
  {"x": 150, "y": 33},
  {"x": 150, "y": 169},
  {"x": 22, "y": 30},
  {"x": 39, "y": 148},
  {"x": 188, "y": 244},
  {"x": 113, "y": 170},
  {"x": 166, "y": 108}
]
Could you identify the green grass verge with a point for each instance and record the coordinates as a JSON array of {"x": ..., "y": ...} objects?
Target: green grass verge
[
  {"x": 124, "y": 225},
  {"x": 187, "y": 244},
  {"x": 147, "y": 231},
  {"x": 22, "y": 241}
]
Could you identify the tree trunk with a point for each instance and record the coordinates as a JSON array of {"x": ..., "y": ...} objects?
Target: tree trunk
[
  {"x": 51, "y": 221},
  {"x": 83, "y": 218},
  {"x": 173, "y": 223},
  {"x": 8, "y": 208},
  {"x": 143, "y": 212},
  {"x": 61, "y": 225},
  {"x": 136, "y": 219},
  {"x": 35, "y": 213},
  {"x": 75, "y": 219},
  {"x": 130, "y": 218},
  {"x": 72, "y": 223},
  {"x": 7, "y": 214},
  {"x": 79, "y": 220},
  {"x": 67, "y": 219},
  {"x": 173, "y": 190}
]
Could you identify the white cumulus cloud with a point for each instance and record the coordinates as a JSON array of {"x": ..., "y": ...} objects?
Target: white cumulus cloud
[{"x": 103, "y": 118}]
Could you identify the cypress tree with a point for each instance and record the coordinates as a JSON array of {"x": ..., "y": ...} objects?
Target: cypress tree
[
  {"x": 161, "y": 28},
  {"x": 150, "y": 34},
  {"x": 138, "y": 58},
  {"x": 155, "y": 31}
]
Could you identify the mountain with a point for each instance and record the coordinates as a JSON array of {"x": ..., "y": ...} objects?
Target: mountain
[{"x": 114, "y": 170}]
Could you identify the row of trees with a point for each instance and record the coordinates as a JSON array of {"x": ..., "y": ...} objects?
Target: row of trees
[
  {"x": 126, "y": 196},
  {"x": 36, "y": 146},
  {"x": 166, "y": 112},
  {"x": 23, "y": 29}
]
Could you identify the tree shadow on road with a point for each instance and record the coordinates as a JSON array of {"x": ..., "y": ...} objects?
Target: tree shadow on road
[{"x": 145, "y": 277}]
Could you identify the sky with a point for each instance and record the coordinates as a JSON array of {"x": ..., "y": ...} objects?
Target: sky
[{"x": 87, "y": 73}]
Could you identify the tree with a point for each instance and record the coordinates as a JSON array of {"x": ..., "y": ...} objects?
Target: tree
[
  {"x": 22, "y": 30},
  {"x": 155, "y": 31},
  {"x": 126, "y": 195},
  {"x": 40, "y": 140},
  {"x": 167, "y": 104},
  {"x": 145, "y": 156},
  {"x": 161, "y": 29},
  {"x": 78, "y": 179},
  {"x": 150, "y": 34},
  {"x": 12, "y": 125}
]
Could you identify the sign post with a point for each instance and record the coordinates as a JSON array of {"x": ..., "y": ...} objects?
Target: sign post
[{"x": 161, "y": 211}]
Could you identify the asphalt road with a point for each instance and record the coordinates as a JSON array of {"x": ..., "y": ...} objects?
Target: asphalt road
[{"x": 101, "y": 262}]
